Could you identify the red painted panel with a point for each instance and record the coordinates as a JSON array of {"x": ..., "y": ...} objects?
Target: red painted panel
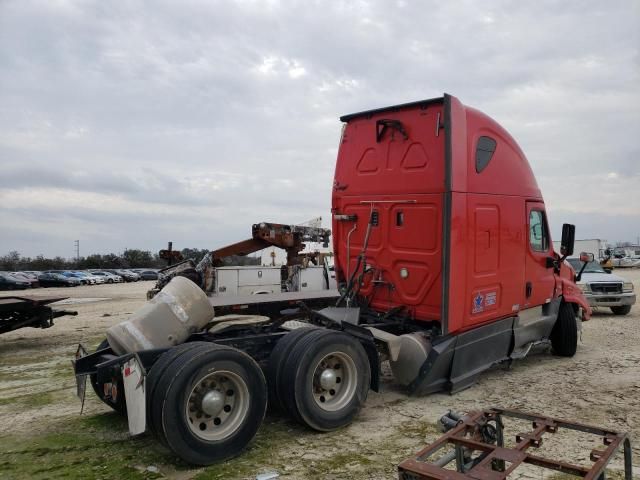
[
  {"x": 414, "y": 247},
  {"x": 487, "y": 239},
  {"x": 395, "y": 164},
  {"x": 495, "y": 270},
  {"x": 394, "y": 172},
  {"x": 476, "y": 268},
  {"x": 411, "y": 234},
  {"x": 508, "y": 172}
]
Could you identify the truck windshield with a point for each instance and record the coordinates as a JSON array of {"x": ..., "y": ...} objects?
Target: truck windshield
[{"x": 592, "y": 267}]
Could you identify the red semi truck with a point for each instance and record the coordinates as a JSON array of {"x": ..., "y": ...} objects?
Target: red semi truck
[
  {"x": 438, "y": 214},
  {"x": 445, "y": 266}
]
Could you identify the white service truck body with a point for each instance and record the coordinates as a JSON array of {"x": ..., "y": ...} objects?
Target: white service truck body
[
  {"x": 253, "y": 280},
  {"x": 247, "y": 280}
]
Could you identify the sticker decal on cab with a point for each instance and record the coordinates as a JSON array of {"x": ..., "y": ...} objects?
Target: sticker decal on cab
[
  {"x": 478, "y": 303},
  {"x": 484, "y": 300}
]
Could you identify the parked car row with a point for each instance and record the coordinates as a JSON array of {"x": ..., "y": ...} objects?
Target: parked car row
[{"x": 72, "y": 278}]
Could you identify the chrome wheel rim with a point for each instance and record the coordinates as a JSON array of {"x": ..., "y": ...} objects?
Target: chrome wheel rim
[
  {"x": 334, "y": 381},
  {"x": 217, "y": 405}
]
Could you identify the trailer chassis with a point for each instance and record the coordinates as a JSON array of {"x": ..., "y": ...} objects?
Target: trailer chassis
[{"x": 21, "y": 312}]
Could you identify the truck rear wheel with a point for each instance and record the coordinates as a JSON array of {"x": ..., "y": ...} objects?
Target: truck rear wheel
[
  {"x": 564, "y": 336},
  {"x": 276, "y": 365},
  {"x": 325, "y": 379},
  {"x": 212, "y": 404},
  {"x": 621, "y": 310},
  {"x": 120, "y": 405},
  {"x": 166, "y": 361}
]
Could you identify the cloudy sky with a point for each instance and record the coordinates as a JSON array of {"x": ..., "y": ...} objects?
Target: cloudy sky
[{"x": 128, "y": 124}]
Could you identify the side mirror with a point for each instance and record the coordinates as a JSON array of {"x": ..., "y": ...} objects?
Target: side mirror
[
  {"x": 568, "y": 239},
  {"x": 586, "y": 257}
]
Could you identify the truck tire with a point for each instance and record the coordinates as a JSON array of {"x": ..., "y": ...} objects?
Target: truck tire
[
  {"x": 326, "y": 379},
  {"x": 154, "y": 408},
  {"x": 120, "y": 405},
  {"x": 621, "y": 310},
  {"x": 212, "y": 404},
  {"x": 276, "y": 364},
  {"x": 564, "y": 336}
]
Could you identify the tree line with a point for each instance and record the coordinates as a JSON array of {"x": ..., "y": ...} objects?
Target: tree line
[{"x": 130, "y": 258}]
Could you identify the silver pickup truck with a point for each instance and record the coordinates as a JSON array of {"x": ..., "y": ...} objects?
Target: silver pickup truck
[{"x": 602, "y": 289}]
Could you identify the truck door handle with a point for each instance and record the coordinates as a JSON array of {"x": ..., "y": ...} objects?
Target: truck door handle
[{"x": 528, "y": 289}]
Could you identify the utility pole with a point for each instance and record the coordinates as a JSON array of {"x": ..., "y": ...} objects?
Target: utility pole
[{"x": 76, "y": 244}]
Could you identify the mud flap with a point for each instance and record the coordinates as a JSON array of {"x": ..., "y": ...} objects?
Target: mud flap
[
  {"x": 81, "y": 380},
  {"x": 133, "y": 376}
]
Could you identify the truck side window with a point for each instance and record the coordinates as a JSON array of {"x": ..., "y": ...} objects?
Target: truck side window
[
  {"x": 538, "y": 238},
  {"x": 484, "y": 151}
]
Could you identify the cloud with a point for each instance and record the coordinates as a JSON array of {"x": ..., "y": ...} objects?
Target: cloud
[{"x": 121, "y": 123}]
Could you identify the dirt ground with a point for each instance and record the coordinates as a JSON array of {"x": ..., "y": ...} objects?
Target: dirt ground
[{"x": 42, "y": 434}]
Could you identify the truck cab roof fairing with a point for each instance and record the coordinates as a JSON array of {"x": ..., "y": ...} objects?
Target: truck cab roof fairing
[
  {"x": 469, "y": 126},
  {"x": 391, "y": 109}
]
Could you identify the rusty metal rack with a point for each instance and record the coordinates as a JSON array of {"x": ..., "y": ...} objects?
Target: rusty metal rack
[{"x": 474, "y": 449}]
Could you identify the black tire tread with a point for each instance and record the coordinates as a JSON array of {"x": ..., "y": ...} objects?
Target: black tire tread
[
  {"x": 621, "y": 309},
  {"x": 296, "y": 369},
  {"x": 160, "y": 378},
  {"x": 286, "y": 386},
  {"x": 564, "y": 336},
  {"x": 276, "y": 364},
  {"x": 154, "y": 375}
]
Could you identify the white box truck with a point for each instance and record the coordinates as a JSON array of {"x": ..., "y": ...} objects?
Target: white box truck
[{"x": 592, "y": 245}]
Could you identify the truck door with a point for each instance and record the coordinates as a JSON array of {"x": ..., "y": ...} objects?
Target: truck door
[{"x": 539, "y": 279}]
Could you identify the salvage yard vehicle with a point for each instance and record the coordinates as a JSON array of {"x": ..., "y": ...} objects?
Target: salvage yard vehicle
[
  {"x": 108, "y": 277},
  {"x": 126, "y": 275},
  {"x": 26, "y": 277},
  {"x": 93, "y": 279},
  {"x": 10, "y": 282},
  {"x": 83, "y": 277},
  {"x": 604, "y": 289},
  {"x": 147, "y": 274},
  {"x": 445, "y": 267},
  {"x": 304, "y": 270},
  {"x": 51, "y": 279},
  {"x": 626, "y": 258}
]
